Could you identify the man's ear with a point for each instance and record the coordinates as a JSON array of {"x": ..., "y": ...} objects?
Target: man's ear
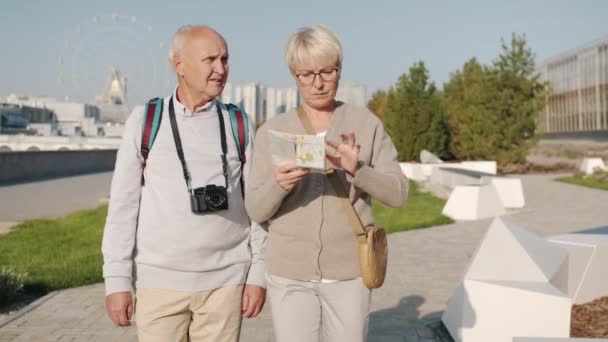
[{"x": 178, "y": 65}]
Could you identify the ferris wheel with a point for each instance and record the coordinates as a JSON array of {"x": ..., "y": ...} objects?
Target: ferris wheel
[{"x": 102, "y": 44}]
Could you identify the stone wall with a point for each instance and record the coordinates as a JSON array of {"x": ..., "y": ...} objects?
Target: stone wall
[{"x": 26, "y": 166}]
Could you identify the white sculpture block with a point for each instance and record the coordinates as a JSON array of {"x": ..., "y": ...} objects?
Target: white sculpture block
[
  {"x": 590, "y": 165},
  {"x": 557, "y": 339},
  {"x": 451, "y": 177},
  {"x": 510, "y": 190},
  {"x": 482, "y": 311},
  {"x": 516, "y": 285},
  {"x": 473, "y": 202},
  {"x": 428, "y": 157},
  {"x": 588, "y": 277},
  {"x": 413, "y": 171},
  {"x": 485, "y": 166},
  {"x": 511, "y": 253},
  {"x": 488, "y": 167},
  {"x": 429, "y": 169}
]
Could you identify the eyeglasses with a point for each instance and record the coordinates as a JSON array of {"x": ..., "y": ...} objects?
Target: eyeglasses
[{"x": 308, "y": 77}]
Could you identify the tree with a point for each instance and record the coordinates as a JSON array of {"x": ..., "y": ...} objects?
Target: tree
[
  {"x": 379, "y": 103},
  {"x": 520, "y": 98},
  {"x": 492, "y": 110},
  {"x": 467, "y": 114},
  {"x": 414, "y": 115}
]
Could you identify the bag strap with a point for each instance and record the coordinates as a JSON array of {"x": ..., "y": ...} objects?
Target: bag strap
[
  {"x": 153, "y": 114},
  {"x": 348, "y": 206},
  {"x": 180, "y": 152},
  {"x": 336, "y": 184},
  {"x": 240, "y": 131}
]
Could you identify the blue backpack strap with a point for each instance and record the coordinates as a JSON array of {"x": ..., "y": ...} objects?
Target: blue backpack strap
[
  {"x": 153, "y": 114},
  {"x": 240, "y": 131}
]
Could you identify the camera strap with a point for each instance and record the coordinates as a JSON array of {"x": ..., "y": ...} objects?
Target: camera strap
[{"x": 180, "y": 151}]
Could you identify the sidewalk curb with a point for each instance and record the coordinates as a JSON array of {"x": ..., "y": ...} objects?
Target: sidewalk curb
[{"x": 27, "y": 308}]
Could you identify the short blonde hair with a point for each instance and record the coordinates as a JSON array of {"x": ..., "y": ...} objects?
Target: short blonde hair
[{"x": 315, "y": 43}]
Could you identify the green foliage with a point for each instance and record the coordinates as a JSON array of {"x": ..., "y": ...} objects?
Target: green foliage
[
  {"x": 492, "y": 110},
  {"x": 421, "y": 210},
  {"x": 412, "y": 113},
  {"x": 379, "y": 103},
  {"x": 56, "y": 254},
  {"x": 11, "y": 284},
  {"x": 598, "y": 180}
]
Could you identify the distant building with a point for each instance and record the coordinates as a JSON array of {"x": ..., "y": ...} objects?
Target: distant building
[
  {"x": 11, "y": 121},
  {"x": 249, "y": 100},
  {"x": 70, "y": 118},
  {"x": 578, "y": 98},
  {"x": 259, "y": 101},
  {"x": 352, "y": 93},
  {"x": 271, "y": 102},
  {"x": 19, "y": 119},
  {"x": 292, "y": 99},
  {"x": 262, "y": 102},
  {"x": 227, "y": 95},
  {"x": 113, "y": 103}
]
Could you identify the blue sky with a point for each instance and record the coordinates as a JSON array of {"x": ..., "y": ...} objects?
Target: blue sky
[{"x": 66, "y": 48}]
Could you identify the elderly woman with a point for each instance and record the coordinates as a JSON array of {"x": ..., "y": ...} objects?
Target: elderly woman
[{"x": 313, "y": 277}]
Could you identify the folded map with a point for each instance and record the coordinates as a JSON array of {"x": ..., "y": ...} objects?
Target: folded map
[{"x": 304, "y": 150}]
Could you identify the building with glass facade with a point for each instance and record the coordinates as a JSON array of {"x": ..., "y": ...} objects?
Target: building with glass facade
[{"x": 578, "y": 90}]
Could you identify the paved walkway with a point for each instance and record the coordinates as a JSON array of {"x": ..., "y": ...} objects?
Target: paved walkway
[
  {"x": 425, "y": 267},
  {"x": 54, "y": 197}
]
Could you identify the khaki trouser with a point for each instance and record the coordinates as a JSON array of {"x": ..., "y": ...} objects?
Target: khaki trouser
[
  {"x": 301, "y": 310},
  {"x": 167, "y": 316}
]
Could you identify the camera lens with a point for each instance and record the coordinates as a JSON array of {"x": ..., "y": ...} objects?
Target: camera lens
[{"x": 215, "y": 199}]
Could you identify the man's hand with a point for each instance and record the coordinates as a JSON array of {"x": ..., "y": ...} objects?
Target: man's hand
[
  {"x": 288, "y": 175},
  {"x": 253, "y": 300},
  {"x": 119, "y": 307}
]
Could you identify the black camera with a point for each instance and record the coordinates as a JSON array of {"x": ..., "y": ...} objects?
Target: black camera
[{"x": 209, "y": 198}]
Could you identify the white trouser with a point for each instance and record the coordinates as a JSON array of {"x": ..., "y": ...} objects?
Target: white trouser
[{"x": 301, "y": 310}]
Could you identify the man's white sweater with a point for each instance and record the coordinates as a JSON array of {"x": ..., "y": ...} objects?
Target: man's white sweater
[{"x": 152, "y": 238}]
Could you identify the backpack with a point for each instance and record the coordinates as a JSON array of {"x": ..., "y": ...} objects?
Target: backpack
[{"x": 153, "y": 114}]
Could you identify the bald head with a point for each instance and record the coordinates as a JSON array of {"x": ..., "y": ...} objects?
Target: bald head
[
  {"x": 199, "y": 56},
  {"x": 189, "y": 32}
]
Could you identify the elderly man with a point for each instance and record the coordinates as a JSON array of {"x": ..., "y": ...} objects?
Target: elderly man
[{"x": 194, "y": 258}]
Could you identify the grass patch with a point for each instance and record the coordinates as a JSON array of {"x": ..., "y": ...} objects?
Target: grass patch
[
  {"x": 56, "y": 254},
  {"x": 420, "y": 211},
  {"x": 598, "y": 180},
  {"x": 11, "y": 284},
  {"x": 571, "y": 155}
]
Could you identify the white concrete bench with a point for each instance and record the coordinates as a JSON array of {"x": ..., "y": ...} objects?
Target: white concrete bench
[
  {"x": 557, "y": 339},
  {"x": 510, "y": 190},
  {"x": 422, "y": 171},
  {"x": 589, "y": 165},
  {"x": 485, "y": 166},
  {"x": 413, "y": 171},
  {"x": 451, "y": 177},
  {"x": 473, "y": 202}
]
